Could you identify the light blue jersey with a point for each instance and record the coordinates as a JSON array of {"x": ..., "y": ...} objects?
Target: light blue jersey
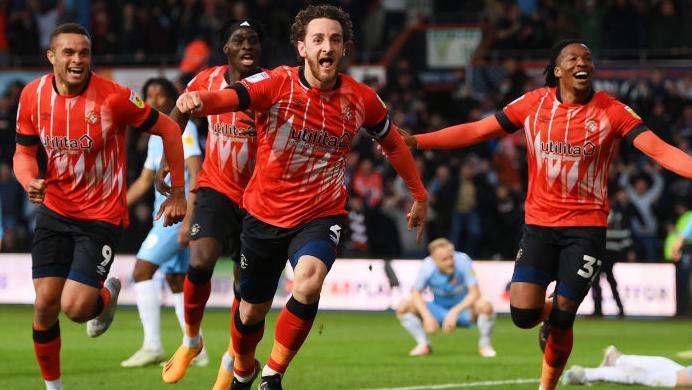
[
  {"x": 448, "y": 290},
  {"x": 161, "y": 245}
]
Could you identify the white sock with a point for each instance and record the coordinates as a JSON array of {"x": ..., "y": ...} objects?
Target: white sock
[
  {"x": 648, "y": 362},
  {"x": 54, "y": 384},
  {"x": 227, "y": 362},
  {"x": 179, "y": 304},
  {"x": 632, "y": 375},
  {"x": 486, "y": 323},
  {"x": 149, "y": 307},
  {"x": 268, "y": 371},
  {"x": 243, "y": 379},
  {"x": 413, "y": 324}
]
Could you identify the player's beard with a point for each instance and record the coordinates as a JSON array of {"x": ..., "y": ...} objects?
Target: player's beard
[{"x": 324, "y": 76}]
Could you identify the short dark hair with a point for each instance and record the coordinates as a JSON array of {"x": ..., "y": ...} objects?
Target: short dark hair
[
  {"x": 301, "y": 21},
  {"x": 68, "y": 28},
  {"x": 230, "y": 26},
  {"x": 168, "y": 87},
  {"x": 550, "y": 79}
]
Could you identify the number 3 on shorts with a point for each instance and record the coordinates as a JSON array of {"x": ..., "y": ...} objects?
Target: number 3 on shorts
[{"x": 587, "y": 271}]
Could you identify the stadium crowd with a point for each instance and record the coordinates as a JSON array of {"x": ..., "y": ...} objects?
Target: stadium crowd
[{"x": 477, "y": 193}]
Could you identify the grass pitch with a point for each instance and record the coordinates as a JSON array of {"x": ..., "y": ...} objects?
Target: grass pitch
[{"x": 344, "y": 351}]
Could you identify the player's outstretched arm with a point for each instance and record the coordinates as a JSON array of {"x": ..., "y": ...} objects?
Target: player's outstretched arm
[
  {"x": 194, "y": 165},
  {"x": 26, "y": 171},
  {"x": 402, "y": 161},
  {"x": 459, "y": 136},
  {"x": 173, "y": 209},
  {"x": 139, "y": 187},
  {"x": 666, "y": 155},
  {"x": 160, "y": 178},
  {"x": 202, "y": 103}
]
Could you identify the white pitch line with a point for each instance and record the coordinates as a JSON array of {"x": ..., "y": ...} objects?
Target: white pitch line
[{"x": 461, "y": 385}]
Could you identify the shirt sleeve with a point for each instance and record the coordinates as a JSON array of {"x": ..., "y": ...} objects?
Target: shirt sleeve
[
  {"x": 376, "y": 121},
  {"x": 463, "y": 262},
  {"x": 626, "y": 123},
  {"x": 511, "y": 118},
  {"x": 191, "y": 141},
  {"x": 426, "y": 270},
  {"x": 26, "y": 133},
  {"x": 129, "y": 109},
  {"x": 687, "y": 231},
  {"x": 259, "y": 91}
]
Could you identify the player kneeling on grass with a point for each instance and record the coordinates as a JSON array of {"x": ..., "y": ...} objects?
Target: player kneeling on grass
[
  {"x": 616, "y": 367},
  {"x": 457, "y": 300}
]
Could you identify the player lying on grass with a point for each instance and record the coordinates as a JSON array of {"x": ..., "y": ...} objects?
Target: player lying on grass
[
  {"x": 457, "y": 300},
  {"x": 616, "y": 367}
]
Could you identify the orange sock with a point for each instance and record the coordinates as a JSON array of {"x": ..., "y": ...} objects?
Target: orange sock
[
  {"x": 292, "y": 328},
  {"x": 557, "y": 351},
  {"x": 195, "y": 296},
  {"x": 234, "y": 308},
  {"x": 47, "y": 348},
  {"x": 245, "y": 339}
]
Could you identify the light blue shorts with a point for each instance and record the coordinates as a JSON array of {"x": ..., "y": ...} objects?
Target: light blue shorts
[
  {"x": 161, "y": 248},
  {"x": 440, "y": 312}
]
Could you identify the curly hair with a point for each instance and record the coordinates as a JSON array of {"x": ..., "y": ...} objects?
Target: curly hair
[
  {"x": 550, "y": 79},
  {"x": 303, "y": 18}
]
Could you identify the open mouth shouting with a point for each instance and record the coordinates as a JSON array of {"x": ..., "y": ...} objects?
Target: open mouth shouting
[
  {"x": 326, "y": 63},
  {"x": 247, "y": 59},
  {"x": 582, "y": 75},
  {"x": 76, "y": 71}
]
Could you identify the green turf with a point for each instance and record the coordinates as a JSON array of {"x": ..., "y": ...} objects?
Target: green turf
[{"x": 344, "y": 351}]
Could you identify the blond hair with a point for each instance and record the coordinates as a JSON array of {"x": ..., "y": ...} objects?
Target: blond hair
[{"x": 439, "y": 243}]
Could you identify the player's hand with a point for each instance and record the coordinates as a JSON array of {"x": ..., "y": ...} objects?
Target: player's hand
[
  {"x": 430, "y": 324},
  {"x": 184, "y": 233},
  {"x": 160, "y": 177},
  {"x": 450, "y": 322},
  {"x": 173, "y": 208},
  {"x": 36, "y": 189},
  {"x": 189, "y": 102},
  {"x": 408, "y": 138},
  {"x": 417, "y": 218}
]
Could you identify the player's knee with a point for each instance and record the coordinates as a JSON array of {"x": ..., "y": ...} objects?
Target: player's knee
[
  {"x": 46, "y": 308},
  {"x": 525, "y": 318},
  {"x": 75, "y": 311},
  {"x": 143, "y": 272},
  {"x": 484, "y": 307},
  {"x": 253, "y": 313},
  {"x": 308, "y": 284},
  {"x": 561, "y": 319},
  {"x": 404, "y": 307},
  {"x": 175, "y": 282},
  {"x": 203, "y": 257}
]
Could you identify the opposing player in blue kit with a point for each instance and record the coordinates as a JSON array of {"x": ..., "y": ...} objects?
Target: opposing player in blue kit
[
  {"x": 165, "y": 247},
  {"x": 457, "y": 300}
]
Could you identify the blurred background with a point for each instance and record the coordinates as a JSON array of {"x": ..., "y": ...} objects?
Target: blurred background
[{"x": 435, "y": 63}]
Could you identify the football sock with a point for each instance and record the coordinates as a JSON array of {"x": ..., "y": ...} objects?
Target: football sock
[
  {"x": 196, "y": 290},
  {"x": 268, "y": 371},
  {"x": 245, "y": 339},
  {"x": 413, "y": 324},
  {"x": 47, "y": 348},
  {"x": 557, "y": 351},
  {"x": 227, "y": 362},
  {"x": 486, "y": 323},
  {"x": 179, "y": 305},
  {"x": 292, "y": 329},
  {"x": 234, "y": 308},
  {"x": 649, "y": 362},
  {"x": 53, "y": 385},
  {"x": 632, "y": 376},
  {"x": 102, "y": 300},
  {"x": 148, "y": 306}
]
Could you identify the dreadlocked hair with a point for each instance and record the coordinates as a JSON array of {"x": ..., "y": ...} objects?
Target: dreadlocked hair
[{"x": 550, "y": 79}]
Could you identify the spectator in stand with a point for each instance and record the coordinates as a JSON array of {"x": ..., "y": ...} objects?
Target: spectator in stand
[
  {"x": 508, "y": 220},
  {"x": 367, "y": 184},
  {"x": 643, "y": 196},
  {"x": 466, "y": 228},
  {"x": 356, "y": 245},
  {"x": 442, "y": 195}
]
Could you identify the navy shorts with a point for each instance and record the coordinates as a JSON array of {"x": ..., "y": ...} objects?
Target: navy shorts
[
  {"x": 218, "y": 217},
  {"x": 265, "y": 249},
  {"x": 570, "y": 255},
  {"x": 71, "y": 248}
]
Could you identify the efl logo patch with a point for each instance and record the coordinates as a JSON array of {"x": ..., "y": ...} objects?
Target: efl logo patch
[
  {"x": 591, "y": 125},
  {"x": 188, "y": 140},
  {"x": 136, "y": 100},
  {"x": 631, "y": 111},
  {"x": 256, "y": 78},
  {"x": 92, "y": 118}
]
